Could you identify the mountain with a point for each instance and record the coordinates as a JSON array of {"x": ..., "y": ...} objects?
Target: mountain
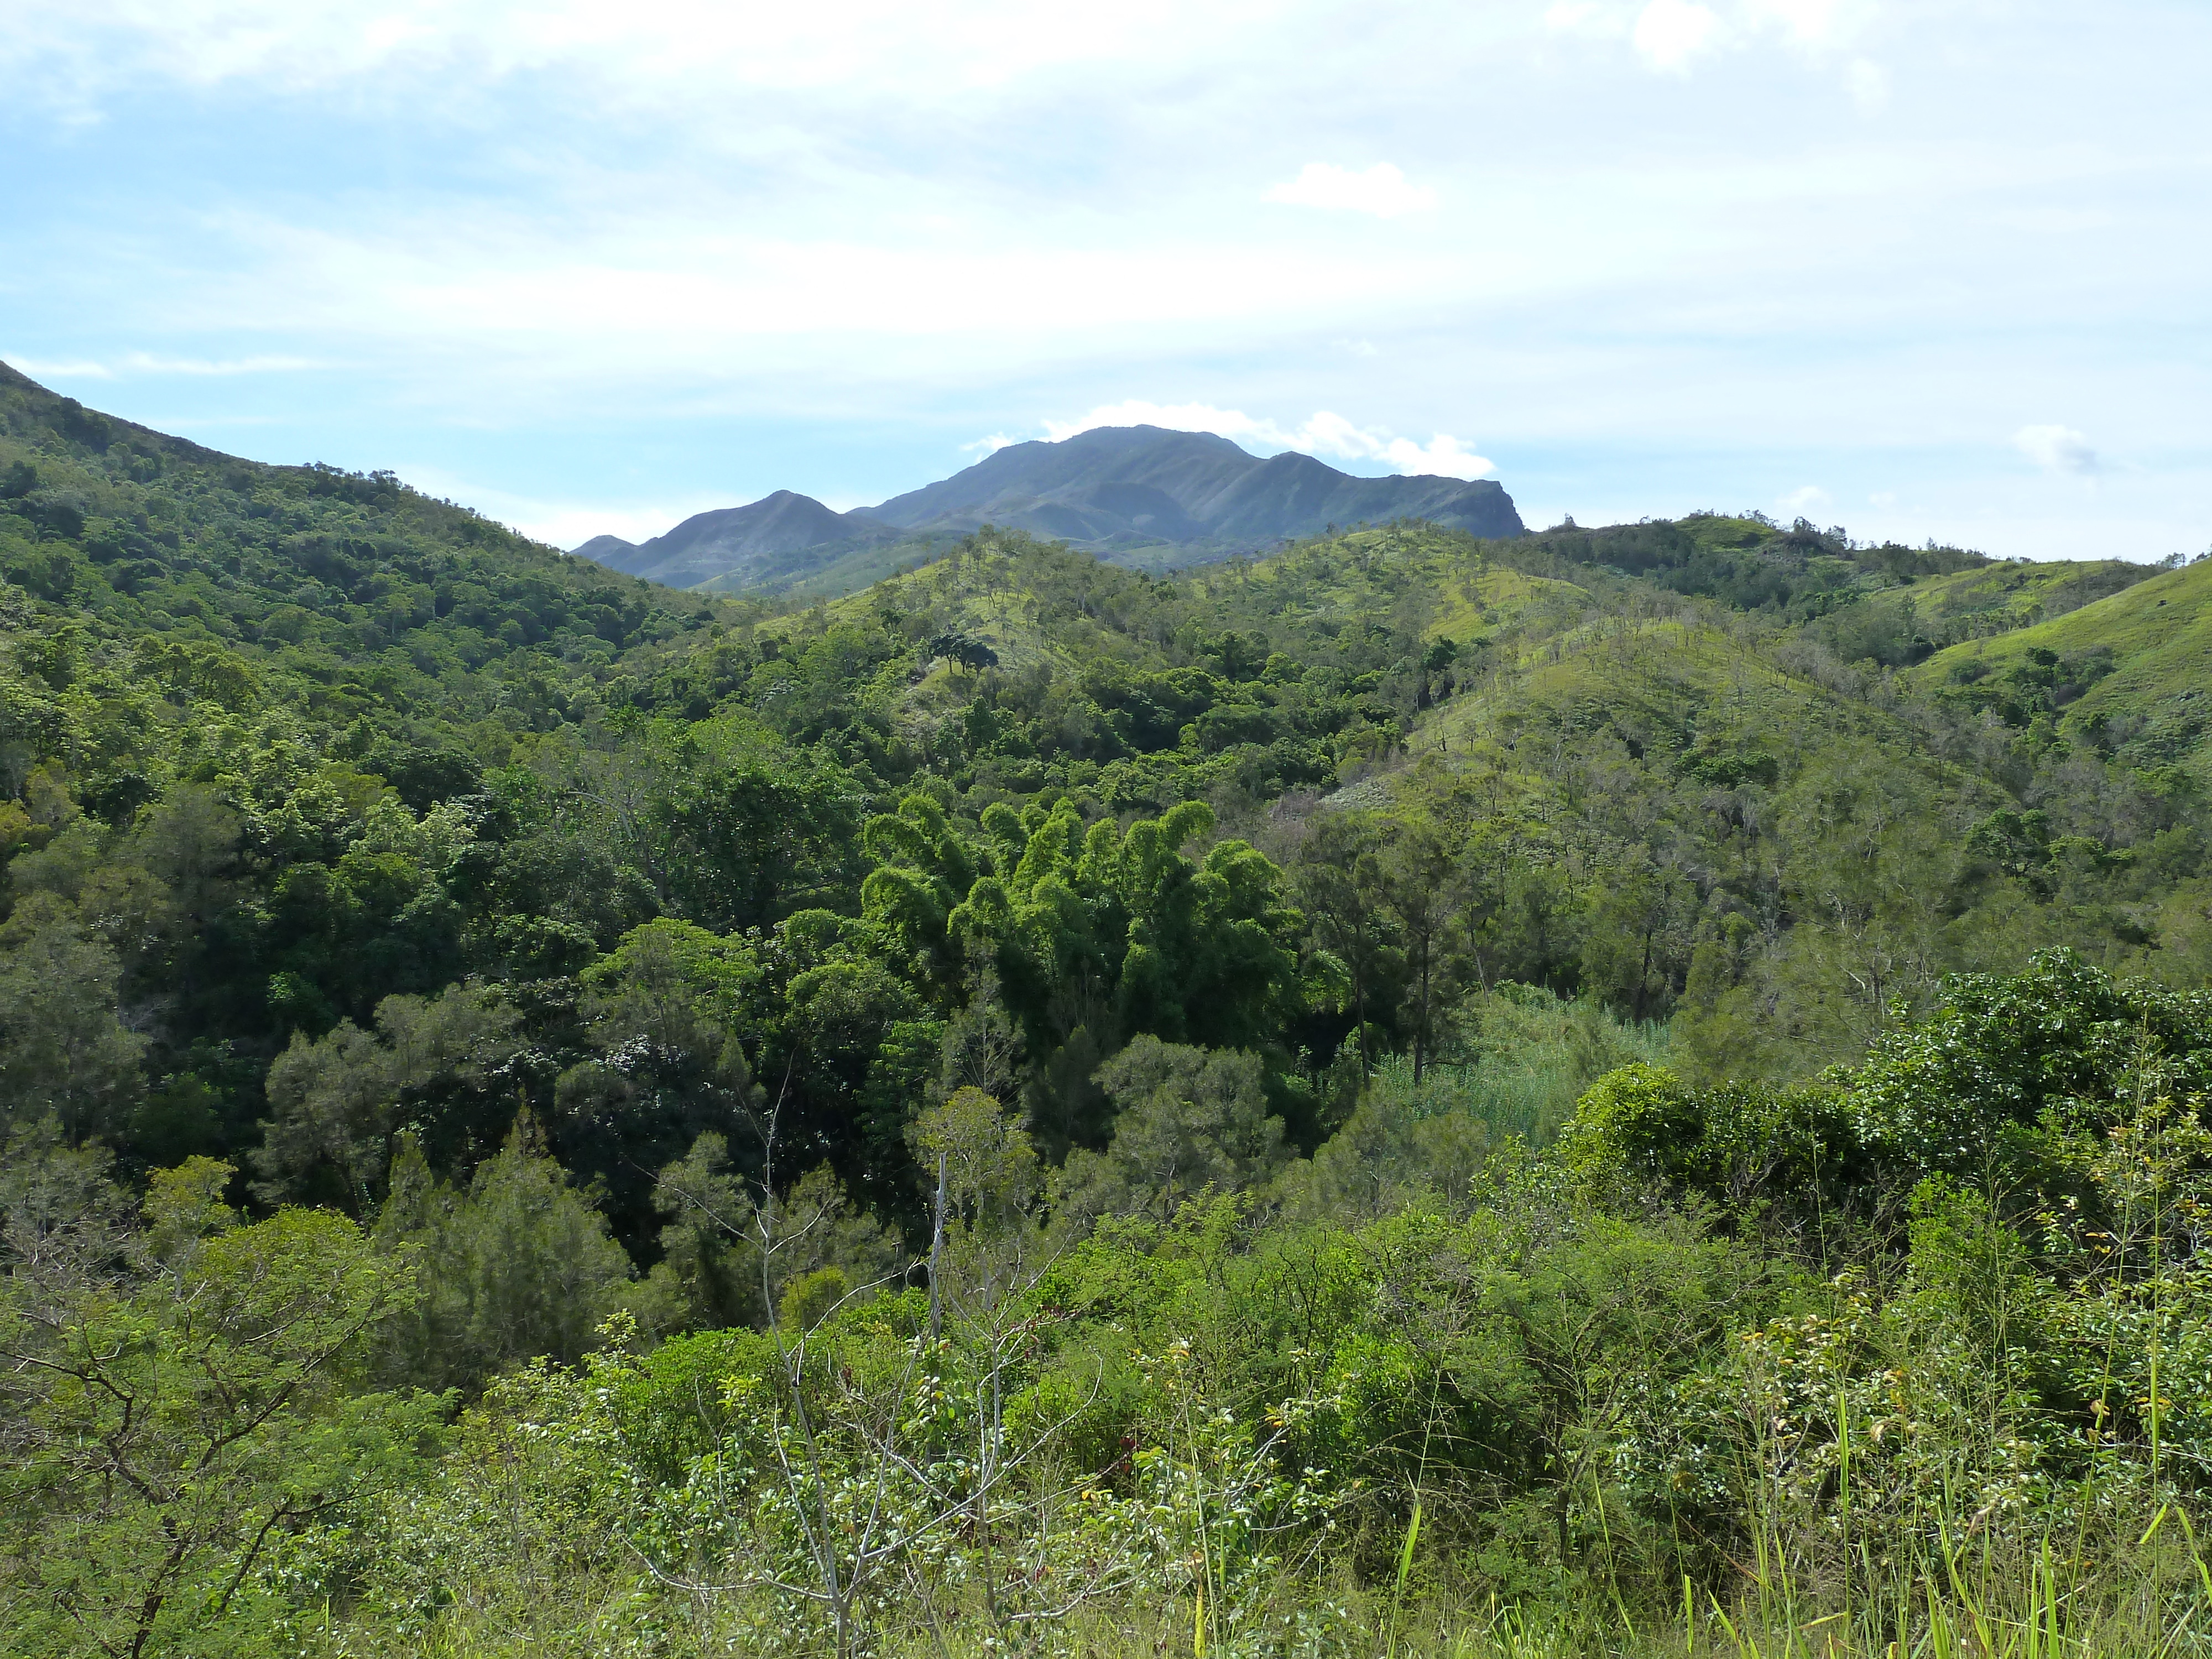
[
  {"x": 750, "y": 543},
  {"x": 1140, "y": 495},
  {"x": 609, "y": 551},
  {"x": 1143, "y": 485}
]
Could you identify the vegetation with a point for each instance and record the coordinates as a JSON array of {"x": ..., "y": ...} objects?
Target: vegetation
[{"x": 1629, "y": 1090}]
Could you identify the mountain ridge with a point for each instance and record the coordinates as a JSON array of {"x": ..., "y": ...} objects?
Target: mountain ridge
[
  {"x": 1139, "y": 494},
  {"x": 746, "y": 541}
]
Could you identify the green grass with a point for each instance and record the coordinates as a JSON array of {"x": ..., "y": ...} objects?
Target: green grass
[
  {"x": 2159, "y": 634},
  {"x": 1519, "y": 1060},
  {"x": 2043, "y": 1613},
  {"x": 2016, "y": 592}
]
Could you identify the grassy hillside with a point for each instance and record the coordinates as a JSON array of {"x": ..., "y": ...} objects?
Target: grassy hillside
[
  {"x": 2129, "y": 676},
  {"x": 1995, "y": 599}
]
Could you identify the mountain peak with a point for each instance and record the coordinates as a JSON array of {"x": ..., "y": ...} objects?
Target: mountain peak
[
  {"x": 1222, "y": 496},
  {"x": 742, "y": 540}
]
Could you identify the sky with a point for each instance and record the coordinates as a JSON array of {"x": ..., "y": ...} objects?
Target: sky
[{"x": 1916, "y": 268}]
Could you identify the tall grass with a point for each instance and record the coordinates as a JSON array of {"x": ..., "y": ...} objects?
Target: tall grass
[{"x": 1520, "y": 1057}]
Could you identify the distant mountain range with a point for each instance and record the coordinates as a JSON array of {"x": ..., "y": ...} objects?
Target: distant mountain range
[{"x": 1135, "y": 494}]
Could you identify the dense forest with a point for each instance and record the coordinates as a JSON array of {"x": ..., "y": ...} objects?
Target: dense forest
[{"x": 1631, "y": 1089}]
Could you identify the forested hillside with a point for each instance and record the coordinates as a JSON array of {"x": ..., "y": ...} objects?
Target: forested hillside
[{"x": 1618, "y": 1090}]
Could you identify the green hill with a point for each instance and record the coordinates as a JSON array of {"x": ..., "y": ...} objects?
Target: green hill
[
  {"x": 2129, "y": 676},
  {"x": 1704, "y": 739},
  {"x": 306, "y": 590},
  {"x": 1579, "y": 1038},
  {"x": 1812, "y": 839}
]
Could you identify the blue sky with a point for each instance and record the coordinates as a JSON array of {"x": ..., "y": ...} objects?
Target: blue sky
[{"x": 1926, "y": 269}]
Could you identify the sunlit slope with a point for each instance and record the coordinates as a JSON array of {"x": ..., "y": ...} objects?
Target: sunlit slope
[
  {"x": 1666, "y": 676},
  {"x": 1668, "y": 697},
  {"x": 2002, "y": 597},
  {"x": 2130, "y": 674},
  {"x": 1422, "y": 581}
]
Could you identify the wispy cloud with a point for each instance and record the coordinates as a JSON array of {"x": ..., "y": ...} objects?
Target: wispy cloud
[
  {"x": 876, "y": 48},
  {"x": 1868, "y": 83},
  {"x": 1811, "y": 498},
  {"x": 1382, "y": 190},
  {"x": 1668, "y": 34},
  {"x": 42, "y": 368},
  {"x": 990, "y": 446},
  {"x": 2057, "y": 449},
  {"x": 144, "y": 363},
  {"x": 674, "y": 246},
  {"x": 1809, "y": 22},
  {"x": 1323, "y": 433}
]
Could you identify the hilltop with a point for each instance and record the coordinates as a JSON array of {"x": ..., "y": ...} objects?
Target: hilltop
[
  {"x": 1121, "y": 488},
  {"x": 745, "y": 549},
  {"x": 1141, "y": 495}
]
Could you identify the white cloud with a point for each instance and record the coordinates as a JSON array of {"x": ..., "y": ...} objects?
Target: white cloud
[
  {"x": 2054, "y": 221},
  {"x": 40, "y": 368},
  {"x": 2057, "y": 448},
  {"x": 566, "y": 524},
  {"x": 141, "y": 363},
  {"x": 1323, "y": 433},
  {"x": 144, "y": 362},
  {"x": 1668, "y": 34},
  {"x": 683, "y": 291},
  {"x": 1810, "y": 499},
  {"x": 1811, "y": 22},
  {"x": 990, "y": 446},
  {"x": 1381, "y": 191},
  {"x": 1443, "y": 455}
]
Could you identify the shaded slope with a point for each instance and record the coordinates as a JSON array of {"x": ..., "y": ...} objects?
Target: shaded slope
[
  {"x": 750, "y": 543},
  {"x": 1292, "y": 495},
  {"x": 611, "y": 551},
  {"x": 1189, "y": 468}
]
